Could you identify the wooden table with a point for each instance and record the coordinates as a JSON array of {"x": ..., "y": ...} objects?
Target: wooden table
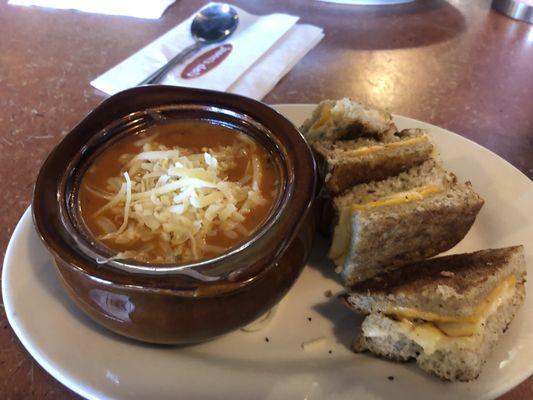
[{"x": 455, "y": 64}]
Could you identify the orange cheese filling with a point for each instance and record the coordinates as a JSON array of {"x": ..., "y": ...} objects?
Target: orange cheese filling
[
  {"x": 400, "y": 198},
  {"x": 361, "y": 151},
  {"x": 456, "y": 326}
]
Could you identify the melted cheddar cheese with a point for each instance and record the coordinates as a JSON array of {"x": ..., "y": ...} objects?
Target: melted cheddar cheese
[
  {"x": 429, "y": 330},
  {"x": 362, "y": 151},
  {"x": 399, "y": 198},
  {"x": 324, "y": 118},
  {"x": 481, "y": 310}
]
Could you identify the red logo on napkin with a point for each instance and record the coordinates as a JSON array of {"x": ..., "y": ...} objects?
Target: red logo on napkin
[{"x": 206, "y": 62}]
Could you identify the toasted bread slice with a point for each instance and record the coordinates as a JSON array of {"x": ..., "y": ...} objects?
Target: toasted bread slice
[
  {"x": 449, "y": 334},
  {"x": 347, "y": 119},
  {"x": 347, "y": 163},
  {"x": 428, "y": 173},
  {"x": 451, "y": 285},
  {"x": 384, "y": 225}
]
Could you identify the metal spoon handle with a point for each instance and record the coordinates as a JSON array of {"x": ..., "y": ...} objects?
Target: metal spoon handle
[{"x": 177, "y": 59}]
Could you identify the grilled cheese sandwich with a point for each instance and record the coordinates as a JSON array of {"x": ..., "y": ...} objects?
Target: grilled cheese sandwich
[
  {"x": 386, "y": 224},
  {"x": 343, "y": 230},
  {"x": 429, "y": 330},
  {"x": 448, "y": 332}
]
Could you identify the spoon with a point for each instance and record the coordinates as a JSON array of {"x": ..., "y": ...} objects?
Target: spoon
[{"x": 211, "y": 24}]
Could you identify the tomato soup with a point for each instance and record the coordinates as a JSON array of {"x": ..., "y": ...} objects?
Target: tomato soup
[{"x": 178, "y": 192}]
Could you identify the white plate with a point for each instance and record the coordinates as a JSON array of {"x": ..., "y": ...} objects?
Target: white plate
[{"x": 99, "y": 365}]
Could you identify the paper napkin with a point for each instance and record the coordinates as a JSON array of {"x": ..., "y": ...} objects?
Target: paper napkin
[
  {"x": 285, "y": 54},
  {"x": 151, "y": 9},
  {"x": 259, "y": 53}
]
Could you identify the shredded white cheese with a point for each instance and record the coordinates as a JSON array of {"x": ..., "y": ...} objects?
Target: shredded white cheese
[{"x": 178, "y": 199}]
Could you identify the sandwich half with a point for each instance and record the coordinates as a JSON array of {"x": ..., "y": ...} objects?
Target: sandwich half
[
  {"x": 384, "y": 225},
  {"x": 446, "y": 313},
  {"x": 346, "y": 163},
  {"x": 347, "y": 119}
]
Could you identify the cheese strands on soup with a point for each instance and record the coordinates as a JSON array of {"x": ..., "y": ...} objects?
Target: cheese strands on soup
[{"x": 178, "y": 192}]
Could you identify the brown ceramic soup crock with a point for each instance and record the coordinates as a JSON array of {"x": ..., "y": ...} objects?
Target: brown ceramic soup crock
[{"x": 177, "y": 303}]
